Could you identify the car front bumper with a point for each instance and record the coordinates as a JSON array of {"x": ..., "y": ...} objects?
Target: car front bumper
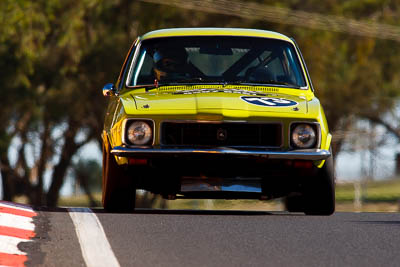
[{"x": 304, "y": 154}]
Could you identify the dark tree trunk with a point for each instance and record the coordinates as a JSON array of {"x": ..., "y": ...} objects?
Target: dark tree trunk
[
  {"x": 39, "y": 196},
  {"x": 6, "y": 176},
  {"x": 68, "y": 151}
]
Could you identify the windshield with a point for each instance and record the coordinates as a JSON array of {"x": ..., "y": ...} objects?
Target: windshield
[{"x": 217, "y": 59}]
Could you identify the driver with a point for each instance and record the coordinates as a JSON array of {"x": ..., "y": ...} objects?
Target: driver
[{"x": 170, "y": 63}]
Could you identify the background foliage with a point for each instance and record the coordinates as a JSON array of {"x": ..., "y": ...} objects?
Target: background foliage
[{"x": 55, "y": 56}]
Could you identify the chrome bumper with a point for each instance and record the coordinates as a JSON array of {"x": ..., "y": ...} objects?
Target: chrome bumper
[{"x": 305, "y": 154}]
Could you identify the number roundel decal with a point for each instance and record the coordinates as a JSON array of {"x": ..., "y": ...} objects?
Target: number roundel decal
[{"x": 269, "y": 101}]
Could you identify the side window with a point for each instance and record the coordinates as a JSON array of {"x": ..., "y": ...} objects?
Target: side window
[
  {"x": 123, "y": 71},
  {"x": 146, "y": 75},
  {"x": 294, "y": 70}
]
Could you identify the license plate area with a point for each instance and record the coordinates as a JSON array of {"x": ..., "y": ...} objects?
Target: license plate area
[{"x": 211, "y": 184}]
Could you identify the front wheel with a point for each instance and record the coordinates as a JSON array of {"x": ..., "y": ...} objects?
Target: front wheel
[
  {"x": 119, "y": 192},
  {"x": 319, "y": 195}
]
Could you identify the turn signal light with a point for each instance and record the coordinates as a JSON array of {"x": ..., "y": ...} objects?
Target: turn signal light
[
  {"x": 138, "y": 161},
  {"x": 303, "y": 164}
]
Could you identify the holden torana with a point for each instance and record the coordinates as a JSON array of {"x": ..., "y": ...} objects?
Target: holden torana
[{"x": 216, "y": 113}]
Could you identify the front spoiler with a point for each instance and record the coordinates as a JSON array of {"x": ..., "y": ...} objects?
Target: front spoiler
[{"x": 304, "y": 154}]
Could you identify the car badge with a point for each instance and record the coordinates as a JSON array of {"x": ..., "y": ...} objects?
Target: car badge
[
  {"x": 269, "y": 101},
  {"x": 222, "y": 134}
]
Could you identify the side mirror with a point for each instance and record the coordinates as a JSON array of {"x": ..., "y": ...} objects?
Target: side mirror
[{"x": 109, "y": 89}]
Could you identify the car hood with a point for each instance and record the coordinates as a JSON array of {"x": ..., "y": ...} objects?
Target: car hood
[{"x": 197, "y": 101}]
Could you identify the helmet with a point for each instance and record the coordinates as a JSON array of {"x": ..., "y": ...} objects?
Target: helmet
[{"x": 170, "y": 62}]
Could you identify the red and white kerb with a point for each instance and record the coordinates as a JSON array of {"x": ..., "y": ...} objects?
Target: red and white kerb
[{"x": 16, "y": 226}]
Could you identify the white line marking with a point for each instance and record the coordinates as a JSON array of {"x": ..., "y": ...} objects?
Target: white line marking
[
  {"x": 16, "y": 221},
  {"x": 96, "y": 249},
  {"x": 9, "y": 245}
]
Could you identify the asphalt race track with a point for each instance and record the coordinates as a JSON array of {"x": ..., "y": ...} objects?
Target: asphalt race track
[{"x": 82, "y": 237}]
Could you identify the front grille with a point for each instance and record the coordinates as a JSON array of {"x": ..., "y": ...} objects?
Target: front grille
[{"x": 221, "y": 134}]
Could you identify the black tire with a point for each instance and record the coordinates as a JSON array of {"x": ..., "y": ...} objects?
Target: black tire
[
  {"x": 119, "y": 192},
  {"x": 319, "y": 195},
  {"x": 294, "y": 203}
]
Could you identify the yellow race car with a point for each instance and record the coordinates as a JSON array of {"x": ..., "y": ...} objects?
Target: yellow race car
[{"x": 216, "y": 113}]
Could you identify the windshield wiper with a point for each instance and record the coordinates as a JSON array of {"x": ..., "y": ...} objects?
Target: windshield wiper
[
  {"x": 271, "y": 82},
  {"x": 145, "y": 86},
  {"x": 156, "y": 84},
  {"x": 180, "y": 82}
]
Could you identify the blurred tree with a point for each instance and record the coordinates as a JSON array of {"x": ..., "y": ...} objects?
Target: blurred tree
[{"x": 46, "y": 92}]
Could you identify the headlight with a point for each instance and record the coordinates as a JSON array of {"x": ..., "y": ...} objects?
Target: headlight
[
  {"x": 139, "y": 133},
  {"x": 304, "y": 136}
]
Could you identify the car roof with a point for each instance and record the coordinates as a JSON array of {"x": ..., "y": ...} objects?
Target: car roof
[{"x": 175, "y": 32}]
